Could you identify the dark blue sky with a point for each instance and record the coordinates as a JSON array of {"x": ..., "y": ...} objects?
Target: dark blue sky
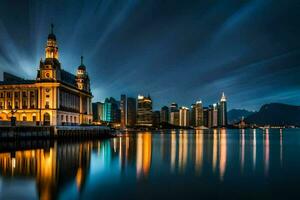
[{"x": 174, "y": 50}]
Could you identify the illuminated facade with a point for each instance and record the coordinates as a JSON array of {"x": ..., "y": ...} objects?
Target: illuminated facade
[
  {"x": 144, "y": 111},
  {"x": 56, "y": 97},
  {"x": 184, "y": 117}
]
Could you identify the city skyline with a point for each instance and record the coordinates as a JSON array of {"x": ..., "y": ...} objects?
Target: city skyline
[{"x": 130, "y": 50}]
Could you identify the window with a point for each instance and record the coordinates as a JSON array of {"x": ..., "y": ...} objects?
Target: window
[
  {"x": 74, "y": 119},
  {"x": 47, "y": 104},
  {"x": 24, "y": 94},
  {"x": 1, "y": 105},
  {"x": 16, "y": 94},
  {"x": 34, "y": 118},
  {"x": 8, "y": 95},
  {"x": 61, "y": 118},
  {"x": 1, "y": 95},
  {"x": 24, "y": 118},
  {"x": 71, "y": 119},
  {"x": 9, "y": 105},
  {"x": 24, "y": 104},
  {"x": 67, "y": 119},
  {"x": 31, "y": 94},
  {"x": 16, "y": 104}
]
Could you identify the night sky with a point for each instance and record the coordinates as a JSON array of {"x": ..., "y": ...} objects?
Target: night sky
[{"x": 178, "y": 51}]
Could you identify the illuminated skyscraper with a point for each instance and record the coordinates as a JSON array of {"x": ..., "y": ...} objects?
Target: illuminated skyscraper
[
  {"x": 131, "y": 112},
  {"x": 184, "y": 117},
  {"x": 123, "y": 108},
  {"x": 205, "y": 116},
  {"x": 193, "y": 115},
  {"x": 110, "y": 110},
  {"x": 198, "y": 114},
  {"x": 222, "y": 111},
  {"x": 215, "y": 115},
  {"x": 144, "y": 111},
  {"x": 174, "y": 114}
]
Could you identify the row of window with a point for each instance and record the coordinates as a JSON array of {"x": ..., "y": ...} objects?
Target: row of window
[
  {"x": 17, "y": 106},
  {"x": 68, "y": 119},
  {"x": 16, "y": 94}
]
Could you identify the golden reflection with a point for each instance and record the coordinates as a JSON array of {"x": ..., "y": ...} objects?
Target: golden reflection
[
  {"x": 266, "y": 152},
  {"x": 199, "y": 151},
  {"x": 183, "y": 150},
  {"x": 254, "y": 149},
  {"x": 47, "y": 166},
  {"x": 242, "y": 150},
  {"x": 215, "y": 150},
  {"x": 144, "y": 151},
  {"x": 223, "y": 153},
  {"x": 173, "y": 150}
]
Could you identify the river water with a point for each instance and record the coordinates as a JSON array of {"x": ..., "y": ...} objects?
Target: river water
[{"x": 216, "y": 164}]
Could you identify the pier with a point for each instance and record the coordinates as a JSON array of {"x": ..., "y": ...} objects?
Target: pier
[{"x": 54, "y": 132}]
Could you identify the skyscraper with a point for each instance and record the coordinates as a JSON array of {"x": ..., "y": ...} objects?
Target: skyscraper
[
  {"x": 123, "y": 109},
  {"x": 184, "y": 115},
  {"x": 174, "y": 114},
  {"x": 173, "y": 107},
  {"x": 215, "y": 115},
  {"x": 193, "y": 115},
  {"x": 198, "y": 114},
  {"x": 222, "y": 111},
  {"x": 144, "y": 111},
  {"x": 205, "y": 116},
  {"x": 156, "y": 118},
  {"x": 164, "y": 114},
  {"x": 97, "y": 111},
  {"x": 111, "y": 110},
  {"x": 131, "y": 112}
]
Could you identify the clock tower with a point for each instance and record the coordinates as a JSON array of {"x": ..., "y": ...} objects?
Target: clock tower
[{"x": 49, "y": 69}]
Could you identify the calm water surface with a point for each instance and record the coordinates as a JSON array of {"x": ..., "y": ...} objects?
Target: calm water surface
[{"x": 228, "y": 164}]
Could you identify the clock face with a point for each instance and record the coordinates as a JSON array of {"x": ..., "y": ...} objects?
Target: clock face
[{"x": 47, "y": 74}]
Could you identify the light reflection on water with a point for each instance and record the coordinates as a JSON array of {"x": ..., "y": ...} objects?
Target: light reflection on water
[{"x": 184, "y": 162}]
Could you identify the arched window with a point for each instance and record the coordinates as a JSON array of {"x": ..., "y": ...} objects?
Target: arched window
[{"x": 46, "y": 119}]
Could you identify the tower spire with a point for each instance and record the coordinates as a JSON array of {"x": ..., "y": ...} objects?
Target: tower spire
[
  {"x": 81, "y": 60},
  {"x": 52, "y": 27},
  {"x": 223, "y": 98}
]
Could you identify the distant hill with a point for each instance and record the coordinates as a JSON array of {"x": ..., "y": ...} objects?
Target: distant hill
[
  {"x": 235, "y": 115},
  {"x": 276, "y": 114}
]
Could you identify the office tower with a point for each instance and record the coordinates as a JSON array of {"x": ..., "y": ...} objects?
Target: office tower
[
  {"x": 156, "y": 118},
  {"x": 193, "y": 115},
  {"x": 111, "y": 111},
  {"x": 205, "y": 116},
  {"x": 222, "y": 116},
  {"x": 123, "y": 110},
  {"x": 174, "y": 114},
  {"x": 198, "y": 114},
  {"x": 174, "y": 107},
  {"x": 215, "y": 115},
  {"x": 184, "y": 115},
  {"x": 164, "y": 114},
  {"x": 144, "y": 111},
  {"x": 174, "y": 118},
  {"x": 210, "y": 116},
  {"x": 97, "y": 111},
  {"x": 131, "y": 112}
]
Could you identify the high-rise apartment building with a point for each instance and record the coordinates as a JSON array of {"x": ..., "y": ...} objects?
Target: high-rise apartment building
[{"x": 144, "y": 111}]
